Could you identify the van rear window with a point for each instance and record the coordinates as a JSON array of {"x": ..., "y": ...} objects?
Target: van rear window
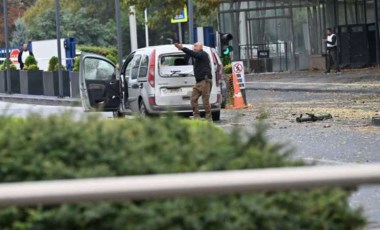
[{"x": 176, "y": 65}]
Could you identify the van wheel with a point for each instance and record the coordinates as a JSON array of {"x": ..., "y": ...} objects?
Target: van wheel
[
  {"x": 216, "y": 116},
  {"x": 142, "y": 109}
]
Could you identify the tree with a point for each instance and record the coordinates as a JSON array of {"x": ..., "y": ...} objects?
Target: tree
[
  {"x": 205, "y": 13},
  {"x": 86, "y": 29},
  {"x": 15, "y": 10},
  {"x": 20, "y": 34}
]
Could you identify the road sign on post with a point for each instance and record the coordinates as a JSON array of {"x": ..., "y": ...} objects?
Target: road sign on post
[
  {"x": 14, "y": 56},
  {"x": 238, "y": 69},
  {"x": 182, "y": 17}
]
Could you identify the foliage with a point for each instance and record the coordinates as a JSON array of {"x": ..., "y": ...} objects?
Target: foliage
[
  {"x": 20, "y": 34},
  {"x": 11, "y": 65},
  {"x": 63, "y": 147},
  {"x": 76, "y": 64},
  {"x": 174, "y": 7},
  {"x": 31, "y": 67},
  {"x": 81, "y": 25},
  {"x": 93, "y": 22},
  {"x": 112, "y": 58},
  {"x": 226, "y": 60},
  {"x": 228, "y": 68},
  {"x": 15, "y": 10},
  {"x": 52, "y": 63},
  {"x": 30, "y": 62},
  {"x": 104, "y": 51}
]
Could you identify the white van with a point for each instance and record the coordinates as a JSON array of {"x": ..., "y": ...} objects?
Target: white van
[{"x": 152, "y": 81}]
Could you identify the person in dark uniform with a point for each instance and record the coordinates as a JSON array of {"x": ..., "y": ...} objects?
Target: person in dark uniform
[
  {"x": 23, "y": 55},
  {"x": 203, "y": 77},
  {"x": 332, "y": 51}
]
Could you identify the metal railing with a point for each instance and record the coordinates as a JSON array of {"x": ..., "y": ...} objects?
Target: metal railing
[
  {"x": 187, "y": 184},
  {"x": 278, "y": 54}
]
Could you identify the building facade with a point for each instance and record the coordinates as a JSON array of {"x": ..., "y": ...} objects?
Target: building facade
[{"x": 292, "y": 31}]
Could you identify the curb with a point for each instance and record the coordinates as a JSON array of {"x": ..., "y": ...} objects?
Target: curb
[
  {"x": 40, "y": 100},
  {"x": 308, "y": 88},
  {"x": 313, "y": 90}
]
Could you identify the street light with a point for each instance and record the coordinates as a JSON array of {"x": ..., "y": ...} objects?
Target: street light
[
  {"x": 191, "y": 21},
  {"x": 118, "y": 28},
  {"x": 5, "y": 7},
  {"x": 58, "y": 31}
]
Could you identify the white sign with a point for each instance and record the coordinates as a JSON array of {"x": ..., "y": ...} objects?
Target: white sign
[{"x": 238, "y": 69}]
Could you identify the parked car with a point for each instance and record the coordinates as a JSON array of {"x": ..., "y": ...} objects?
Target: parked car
[{"x": 152, "y": 81}]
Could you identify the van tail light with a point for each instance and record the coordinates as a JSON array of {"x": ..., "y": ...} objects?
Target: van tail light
[
  {"x": 219, "y": 74},
  {"x": 219, "y": 98},
  {"x": 152, "y": 68},
  {"x": 152, "y": 100},
  {"x": 219, "y": 71}
]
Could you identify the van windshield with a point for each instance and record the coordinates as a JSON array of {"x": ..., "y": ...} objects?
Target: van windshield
[{"x": 175, "y": 65}]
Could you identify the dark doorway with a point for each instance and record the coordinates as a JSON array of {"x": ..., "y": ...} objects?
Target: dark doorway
[{"x": 357, "y": 45}]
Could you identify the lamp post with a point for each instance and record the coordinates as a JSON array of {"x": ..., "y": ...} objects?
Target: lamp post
[
  {"x": 58, "y": 31},
  {"x": 118, "y": 28},
  {"x": 146, "y": 28},
  {"x": 191, "y": 21},
  {"x": 5, "y": 7}
]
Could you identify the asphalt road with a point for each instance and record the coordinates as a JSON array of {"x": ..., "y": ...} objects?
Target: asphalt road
[{"x": 348, "y": 138}]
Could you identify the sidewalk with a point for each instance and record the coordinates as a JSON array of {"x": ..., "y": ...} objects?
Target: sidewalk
[
  {"x": 357, "y": 80},
  {"x": 39, "y": 100}
]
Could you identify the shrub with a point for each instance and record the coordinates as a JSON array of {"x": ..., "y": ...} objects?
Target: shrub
[
  {"x": 61, "y": 147},
  {"x": 11, "y": 65},
  {"x": 52, "y": 63},
  {"x": 31, "y": 63},
  {"x": 112, "y": 58},
  {"x": 32, "y": 67},
  {"x": 30, "y": 60},
  {"x": 76, "y": 64},
  {"x": 104, "y": 51},
  {"x": 228, "y": 69}
]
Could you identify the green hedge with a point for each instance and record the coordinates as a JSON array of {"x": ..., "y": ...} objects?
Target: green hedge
[
  {"x": 104, "y": 51},
  {"x": 61, "y": 147},
  {"x": 12, "y": 66}
]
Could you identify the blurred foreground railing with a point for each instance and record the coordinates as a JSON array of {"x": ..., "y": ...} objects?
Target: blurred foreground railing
[{"x": 190, "y": 184}]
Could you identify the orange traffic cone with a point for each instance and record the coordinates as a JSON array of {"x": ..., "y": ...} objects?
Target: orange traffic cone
[{"x": 238, "y": 97}]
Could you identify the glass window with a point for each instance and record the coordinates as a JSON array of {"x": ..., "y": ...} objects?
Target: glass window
[
  {"x": 97, "y": 69},
  {"x": 144, "y": 67},
  {"x": 175, "y": 65},
  {"x": 135, "y": 63}
]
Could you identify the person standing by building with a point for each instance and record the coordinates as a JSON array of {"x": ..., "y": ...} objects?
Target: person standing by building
[
  {"x": 203, "y": 77},
  {"x": 23, "y": 55},
  {"x": 332, "y": 51}
]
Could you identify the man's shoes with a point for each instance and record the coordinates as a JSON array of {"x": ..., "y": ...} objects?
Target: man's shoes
[
  {"x": 327, "y": 72},
  {"x": 338, "y": 73}
]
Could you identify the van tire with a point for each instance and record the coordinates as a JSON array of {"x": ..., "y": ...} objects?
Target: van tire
[
  {"x": 216, "y": 116},
  {"x": 142, "y": 109}
]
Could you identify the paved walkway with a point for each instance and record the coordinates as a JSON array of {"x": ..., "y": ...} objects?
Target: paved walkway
[
  {"x": 361, "y": 81},
  {"x": 40, "y": 100}
]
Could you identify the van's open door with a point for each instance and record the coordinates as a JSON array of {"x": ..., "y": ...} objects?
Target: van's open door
[{"x": 99, "y": 87}]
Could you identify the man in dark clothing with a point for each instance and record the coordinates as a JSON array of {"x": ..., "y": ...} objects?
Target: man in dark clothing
[
  {"x": 23, "y": 55},
  {"x": 203, "y": 77},
  {"x": 332, "y": 51}
]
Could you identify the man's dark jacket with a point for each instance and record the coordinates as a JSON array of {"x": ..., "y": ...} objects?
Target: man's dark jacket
[
  {"x": 20, "y": 58},
  {"x": 202, "y": 67}
]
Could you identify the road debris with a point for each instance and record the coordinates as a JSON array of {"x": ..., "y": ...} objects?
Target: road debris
[{"x": 313, "y": 118}]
